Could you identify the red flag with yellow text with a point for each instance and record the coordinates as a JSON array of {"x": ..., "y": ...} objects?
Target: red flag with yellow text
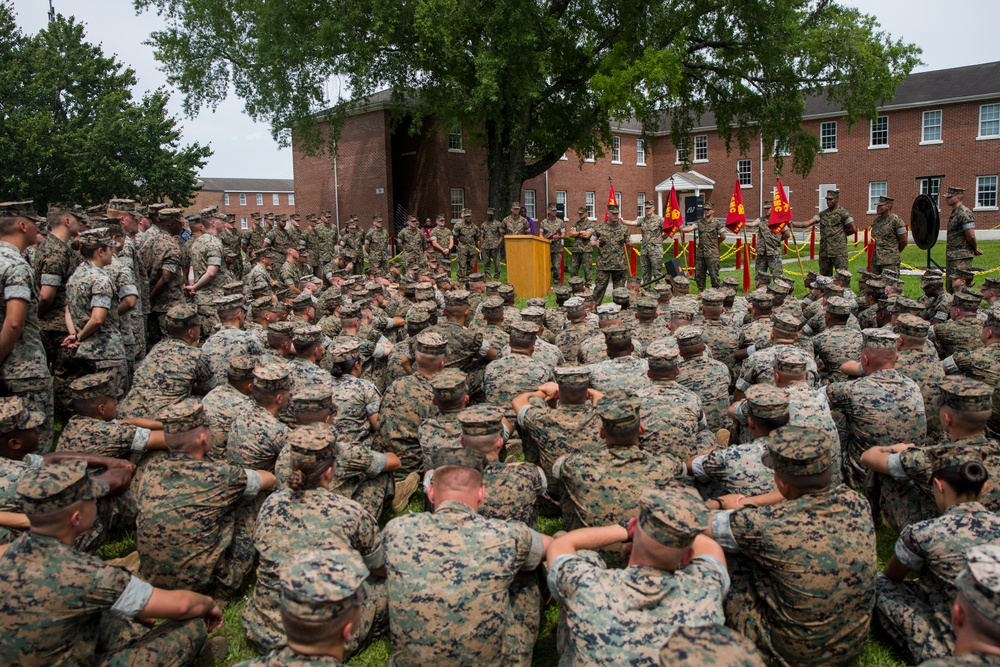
[
  {"x": 672, "y": 218},
  {"x": 612, "y": 199},
  {"x": 737, "y": 216},
  {"x": 781, "y": 211}
]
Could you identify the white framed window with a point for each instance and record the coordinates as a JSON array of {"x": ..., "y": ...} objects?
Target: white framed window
[
  {"x": 260, "y": 199},
  {"x": 931, "y": 127},
  {"x": 640, "y": 204},
  {"x": 243, "y": 199},
  {"x": 225, "y": 199},
  {"x": 590, "y": 205},
  {"x": 561, "y": 201},
  {"x": 457, "y": 203},
  {"x": 744, "y": 170},
  {"x": 683, "y": 151},
  {"x": 455, "y": 143},
  {"x": 931, "y": 186},
  {"x": 588, "y": 156},
  {"x": 876, "y": 189},
  {"x": 243, "y": 223},
  {"x": 291, "y": 200},
  {"x": 640, "y": 152},
  {"x": 701, "y": 148},
  {"x": 619, "y": 199},
  {"x": 274, "y": 199},
  {"x": 879, "y": 133},
  {"x": 529, "y": 204},
  {"x": 781, "y": 148},
  {"x": 828, "y": 136},
  {"x": 616, "y": 149},
  {"x": 823, "y": 189},
  {"x": 986, "y": 192},
  {"x": 989, "y": 121}
]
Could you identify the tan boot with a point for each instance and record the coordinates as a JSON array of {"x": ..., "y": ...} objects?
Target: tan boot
[
  {"x": 722, "y": 435},
  {"x": 404, "y": 490},
  {"x": 129, "y": 562},
  {"x": 213, "y": 653}
]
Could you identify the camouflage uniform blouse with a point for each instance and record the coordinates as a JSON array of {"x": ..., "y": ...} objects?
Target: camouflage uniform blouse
[
  {"x": 356, "y": 400},
  {"x": 11, "y": 472},
  {"x": 166, "y": 376},
  {"x": 102, "y": 438},
  {"x": 54, "y": 263},
  {"x": 957, "y": 247},
  {"x": 611, "y": 252},
  {"x": 833, "y": 232},
  {"x": 27, "y": 358},
  {"x": 255, "y": 439},
  {"x": 886, "y": 231}
]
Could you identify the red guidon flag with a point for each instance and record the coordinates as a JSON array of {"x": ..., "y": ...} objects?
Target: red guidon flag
[
  {"x": 672, "y": 219},
  {"x": 781, "y": 211},
  {"x": 612, "y": 199},
  {"x": 737, "y": 216}
]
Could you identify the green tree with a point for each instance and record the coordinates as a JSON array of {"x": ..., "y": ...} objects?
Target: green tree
[
  {"x": 536, "y": 77},
  {"x": 71, "y": 130}
]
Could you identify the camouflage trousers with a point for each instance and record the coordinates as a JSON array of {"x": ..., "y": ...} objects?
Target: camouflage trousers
[
  {"x": 372, "y": 493},
  {"x": 238, "y": 561},
  {"x": 877, "y": 269},
  {"x": 706, "y": 266},
  {"x": 919, "y": 625},
  {"x": 555, "y": 261},
  {"x": 616, "y": 278},
  {"x": 491, "y": 264},
  {"x": 651, "y": 262},
  {"x": 59, "y": 359},
  {"x": 578, "y": 260},
  {"x": 38, "y": 397},
  {"x": 769, "y": 263},
  {"x": 466, "y": 259},
  {"x": 409, "y": 260},
  {"x": 127, "y": 644},
  {"x": 379, "y": 263},
  {"x": 951, "y": 265},
  {"x": 830, "y": 263},
  {"x": 525, "y": 619},
  {"x": 903, "y": 503},
  {"x": 114, "y": 513}
]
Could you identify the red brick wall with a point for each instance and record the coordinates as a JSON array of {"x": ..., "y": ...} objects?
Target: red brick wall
[
  {"x": 425, "y": 170},
  {"x": 204, "y": 199}
]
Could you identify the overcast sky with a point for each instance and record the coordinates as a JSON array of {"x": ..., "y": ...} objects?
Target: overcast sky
[{"x": 244, "y": 149}]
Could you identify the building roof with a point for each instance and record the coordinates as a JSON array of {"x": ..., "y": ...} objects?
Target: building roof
[
  {"x": 686, "y": 180},
  {"x": 247, "y": 184}
]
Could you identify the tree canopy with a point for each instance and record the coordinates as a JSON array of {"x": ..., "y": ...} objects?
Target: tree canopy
[
  {"x": 71, "y": 131},
  {"x": 537, "y": 77}
]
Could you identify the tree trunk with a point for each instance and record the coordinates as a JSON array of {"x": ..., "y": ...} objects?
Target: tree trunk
[{"x": 504, "y": 167}]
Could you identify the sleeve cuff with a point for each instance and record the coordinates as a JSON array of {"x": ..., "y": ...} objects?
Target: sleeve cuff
[
  {"x": 50, "y": 279},
  {"x": 127, "y": 290},
  {"x": 553, "y": 575},
  {"x": 170, "y": 268},
  {"x": 377, "y": 466},
  {"x": 751, "y": 350},
  {"x": 520, "y": 415},
  {"x": 375, "y": 559},
  {"x": 213, "y": 261},
  {"x": 698, "y": 468},
  {"x": 544, "y": 481},
  {"x": 968, "y": 225},
  {"x": 557, "y": 467},
  {"x": 723, "y": 532},
  {"x": 17, "y": 292},
  {"x": 742, "y": 385},
  {"x": 372, "y": 407},
  {"x": 98, "y": 301},
  {"x": 720, "y": 568},
  {"x": 141, "y": 439},
  {"x": 907, "y": 557},
  {"x": 848, "y": 221},
  {"x": 536, "y": 554},
  {"x": 133, "y": 599},
  {"x": 739, "y": 412},
  {"x": 253, "y": 483},
  {"x": 34, "y": 461},
  {"x": 950, "y": 367},
  {"x": 484, "y": 349},
  {"x": 895, "y": 465}
]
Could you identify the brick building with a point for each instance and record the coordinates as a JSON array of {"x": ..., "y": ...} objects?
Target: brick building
[
  {"x": 941, "y": 128},
  {"x": 242, "y": 196}
]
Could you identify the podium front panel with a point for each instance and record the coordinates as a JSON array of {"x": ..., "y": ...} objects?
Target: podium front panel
[{"x": 529, "y": 267}]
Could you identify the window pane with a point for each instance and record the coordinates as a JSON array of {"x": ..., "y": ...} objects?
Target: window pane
[
  {"x": 931, "y": 187},
  {"x": 529, "y": 204},
  {"x": 640, "y": 151},
  {"x": 243, "y": 223},
  {"x": 744, "y": 168},
  {"x": 701, "y": 147},
  {"x": 457, "y": 203},
  {"x": 986, "y": 191},
  {"x": 616, "y": 149},
  {"x": 590, "y": 204},
  {"x": 455, "y": 139},
  {"x": 989, "y": 120},
  {"x": 274, "y": 199},
  {"x": 225, "y": 199},
  {"x": 243, "y": 199},
  {"x": 561, "y": 201},
  {"x": 640, "y": 204},
  {"x": 880, "y": 131},
  {"x": 291, "y": 200},
  {"x": 932, "y": 126},
  {"x": 828, "y": 135},
  {"x": 876, "y": 189},
  {"x": 682, "y": 150}
]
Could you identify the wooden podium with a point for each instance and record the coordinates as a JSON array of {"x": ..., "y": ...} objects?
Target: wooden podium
[{"x": 529, "y": 267}]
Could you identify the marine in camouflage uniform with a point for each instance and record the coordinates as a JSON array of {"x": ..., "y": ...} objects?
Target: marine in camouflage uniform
[
  {"x": 612, "y": 264},
  {"x": 623, "y": 616},
  {"x": 294, "y": 521},
  {"x": 918, "y": 615},
  {"x": 376, "y": 242},
  {"x": 710, "y": 231},
  {"x": 468, "y": 350},
  {"x": 257, "y": 436},
  {"x": 258, "y": 278},
  {"x": 581, "y": 252},
  {"x": 231, "y": 243},
  {"x": 720, "y": 336},
  {"x": 467, "y": 241},
  {"x": 769, "y": 247},
  {"x": 207, "y": 251},
  {"x": 554, "y": 228},
  {"x": 230, "y": 340},
  {"x": 577, "y": 330},
  {"x": 603, "y": 487},
  {"x": 173, "y": 369},
  {"x": 352, "y": 247},
  {"x": 455, "y": 564},
  {"x": 441, "y": 235},
  {"x": 24, "y": 372},
  {"x": 61, "y": 606},
  {"x": 326, "y": 241},
  {"x": 651, "y": 259},
  {"x": 887, "y": 230},
  {"x": 921, "y": 365},
  {"x": 492, "y": 239},
  {"x": 195, "y": 512},
  {"x": 835, "y": 223},
  {"x": 706, "y": 377},
  {"x": 443, "y": 430},
  {"x": 123, "y": 282},
  {"x": 161, "y": 254},
  {"x": 281, "y": 237},
  {"x": 961, "y": 334},
  {"x": 290, "y": 274},
  {"x": 882, "y": 408},
  {"x": 838, "y": 343},
  {"x": 412, "y": 244},
  {"x": 802, "y": 602},
  {"x": 671, "y": 413},
  {"x": 225, "y": 403},
  {"x": 515, "y": 223},
  {"x": 357, "y": 400},
  {"x": 959, "y": 249},
  {"x": 517, "y": 373},
  {"x": 982, "y": 364}
]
